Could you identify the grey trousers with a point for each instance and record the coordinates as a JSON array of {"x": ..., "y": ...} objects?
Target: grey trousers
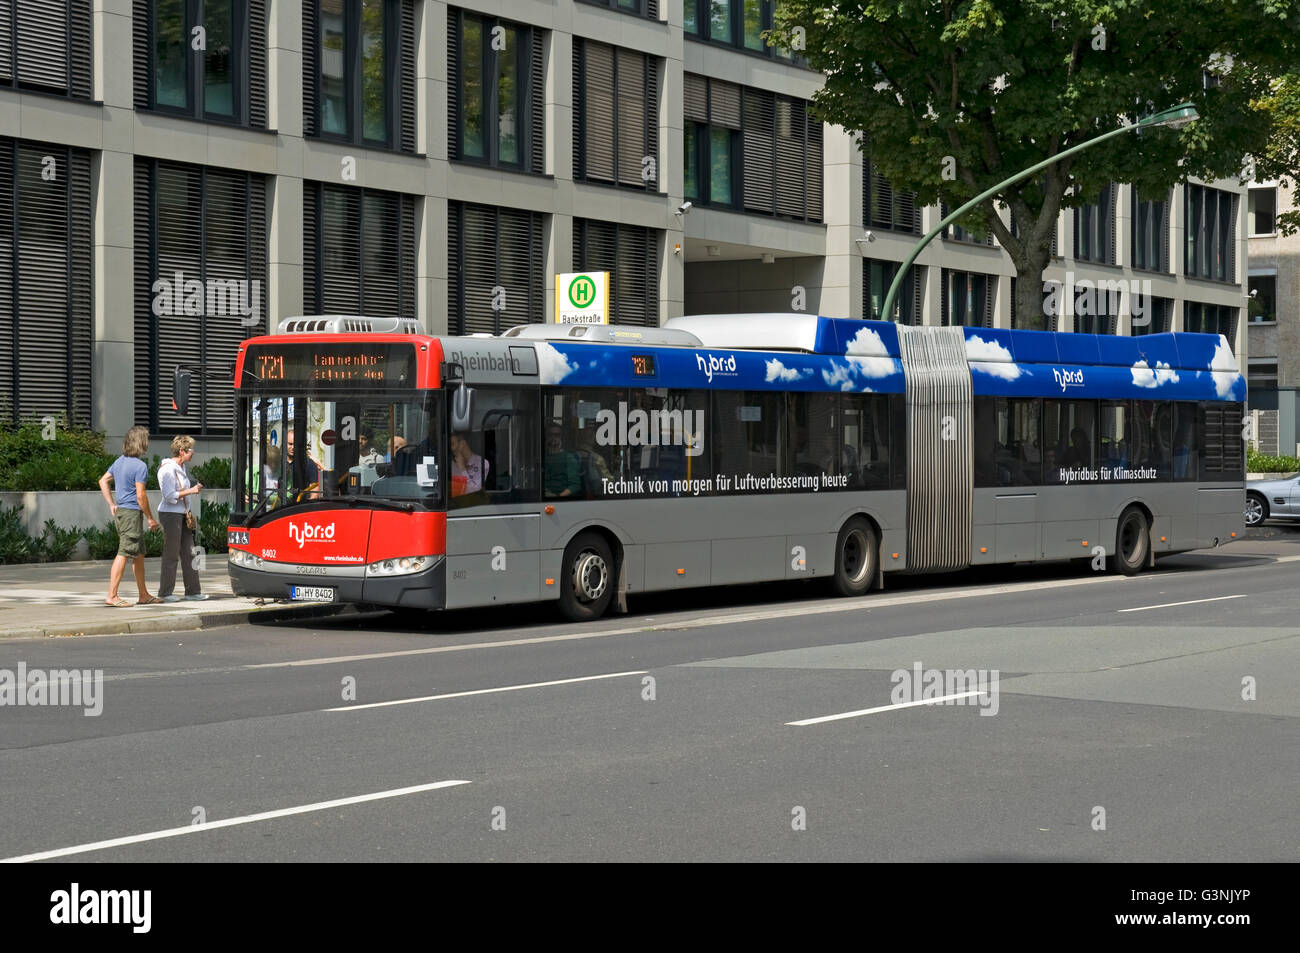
[{"x": 178, "y": 546}]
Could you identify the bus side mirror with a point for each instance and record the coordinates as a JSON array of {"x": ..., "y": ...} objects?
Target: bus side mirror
[
  {"x": 462, "y": 408},
  {"x": 181, "y": 389}
]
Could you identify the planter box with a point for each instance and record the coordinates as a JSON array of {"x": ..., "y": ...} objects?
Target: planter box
[
  {"x": 1262, "y": 476},
  {"x": 82, "y": 508}
]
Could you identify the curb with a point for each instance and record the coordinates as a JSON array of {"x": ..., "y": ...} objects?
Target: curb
[{"x": 265, "y": 615}]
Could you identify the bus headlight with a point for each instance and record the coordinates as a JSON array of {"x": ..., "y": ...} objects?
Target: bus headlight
[
  {"x": 401, "y": 566},
  {"x": 245, "y": 560}
]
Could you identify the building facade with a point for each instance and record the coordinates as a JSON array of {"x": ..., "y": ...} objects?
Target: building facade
[
  {"x": 1273, "y": 374},
  {"x": 176, "y": 175}
]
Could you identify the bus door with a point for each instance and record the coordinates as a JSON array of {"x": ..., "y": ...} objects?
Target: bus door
[{"x": 493, "y": 526}]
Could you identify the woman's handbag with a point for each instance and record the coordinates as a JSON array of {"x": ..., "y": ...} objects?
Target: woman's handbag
[{"x": 191, "y": 521}]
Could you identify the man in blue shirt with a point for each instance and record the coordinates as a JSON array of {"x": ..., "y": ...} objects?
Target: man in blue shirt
[{"x": 129, "y": 504}]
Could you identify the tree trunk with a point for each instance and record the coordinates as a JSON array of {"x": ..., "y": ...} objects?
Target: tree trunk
[{"x": 1031, "y": 296}]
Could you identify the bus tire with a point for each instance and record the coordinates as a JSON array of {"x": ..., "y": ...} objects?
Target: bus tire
[
  {"x": 1132, "y": 542},
  {"x": 587, "y": 578},
  {"x": 1256, "y": 508},
  {"x": 857, "y": 557}
]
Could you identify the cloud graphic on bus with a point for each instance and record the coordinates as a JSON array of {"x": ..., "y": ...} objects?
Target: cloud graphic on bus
[
  {"x": 1223, "y": 367},
  {"x": 845, "y": 377},
  {"x": 869, "y": 356},
  {"x": 776, "y": 371},
  {"x": 991, "y": 358},
  {"x": 1144, "y": 376},
  {"x": 552, "y": 366}
]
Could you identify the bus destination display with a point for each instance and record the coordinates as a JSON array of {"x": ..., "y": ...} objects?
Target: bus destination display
[
  {"x": 382, "y": 366},
  {"x": 643, "y": 365}
]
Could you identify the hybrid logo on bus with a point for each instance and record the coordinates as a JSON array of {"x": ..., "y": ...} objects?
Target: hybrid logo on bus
[
  {"x": 724, "y": 366},
  {"x": 654, "y": 428},
  {"x": 1066, "y": 379},
  {"x": 308, "y": 531}
]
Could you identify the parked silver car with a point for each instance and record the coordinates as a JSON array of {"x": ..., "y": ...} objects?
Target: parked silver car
[{"x": 1276, "y": 499}]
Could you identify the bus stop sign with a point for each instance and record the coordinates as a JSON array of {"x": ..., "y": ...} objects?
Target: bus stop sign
[{"x": 582, "y": 298}]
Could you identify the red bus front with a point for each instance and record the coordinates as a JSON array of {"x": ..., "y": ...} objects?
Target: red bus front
[{"x": 339, "y": 475}]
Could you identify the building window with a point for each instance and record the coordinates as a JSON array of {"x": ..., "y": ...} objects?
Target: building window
[
  {"x": 1150, "y": 233},
  {"x": 1263, "y": 298},
  {"x": 780, "y": 141},
  {"x": 1211, "y": 233},
  {"x": 616, "y": 122},
  {"x": 631, "y": 255},
  {"x": 225, "y": 81},
  {"x": 1094, "y": 229},
  {"x": 200, "y": 283},
  {"x": 885, "y": 207},
  {"x": 1262, "y": 210},
  {"x": 967, "y": 298},
  {"x": 956, "y": 233},
  {"x": 1154, "y": 316},
  {"x": 358, "y": 251},
  {"x": 877, "y": 276},
  {"x": 739, "y": 23},
  {"x": 782, "y": 164},
  {"x": 1210, "y": 319},
  {"x": 359, "y": 72},
  {"x": 1097, "y": 307},
  {"x": 46, "y": 319},
  {"x": 639, "y": 8},
  {"x": 495, "y": 266},
  {"x": 495, "y": 91},
  {"x": 46, "y": 45},
  {"x": 712, "y": 141}
]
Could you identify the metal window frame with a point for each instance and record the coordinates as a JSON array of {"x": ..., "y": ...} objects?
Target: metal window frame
[
  {"x": 491, "y": 73},
  {"x": 196, "y": 108},
  {"x": 352, "y": 71}
]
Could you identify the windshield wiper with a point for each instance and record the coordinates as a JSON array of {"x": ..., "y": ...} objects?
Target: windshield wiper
[
  {"x": 258, "y": 509},
  {"x": 381, "y": 503}
]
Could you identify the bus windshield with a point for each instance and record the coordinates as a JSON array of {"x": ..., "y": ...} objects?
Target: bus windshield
[{"x": 293, "y": 449}]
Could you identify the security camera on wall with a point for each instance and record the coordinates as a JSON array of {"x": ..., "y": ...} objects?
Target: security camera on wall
[{"x": 683, "y": 208}]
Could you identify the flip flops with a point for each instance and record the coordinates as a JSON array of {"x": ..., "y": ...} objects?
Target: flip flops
[
  {"x": 151, "y": 601},
  {"x": 117, "y": 604}
]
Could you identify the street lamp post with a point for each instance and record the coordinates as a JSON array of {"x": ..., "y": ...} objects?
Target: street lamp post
[{"x": 1174, "y": 118}]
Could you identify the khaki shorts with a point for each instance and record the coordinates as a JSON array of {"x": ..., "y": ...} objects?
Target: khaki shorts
[{"x": 130, "y": 532}]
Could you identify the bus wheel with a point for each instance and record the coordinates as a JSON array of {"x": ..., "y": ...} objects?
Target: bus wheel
[
  {"x": 587, "y": 580},
  {"x": 1132, "y": 541},
  {"x": 1256, "y": 509},
  {"x": 857, "y": 555}
]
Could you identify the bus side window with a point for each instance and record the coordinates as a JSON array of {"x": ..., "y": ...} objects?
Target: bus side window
[{"x": 1185, "y": 455}]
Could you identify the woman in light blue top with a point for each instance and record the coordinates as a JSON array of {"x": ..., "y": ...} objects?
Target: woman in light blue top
[{"x": 178, "y": 538}]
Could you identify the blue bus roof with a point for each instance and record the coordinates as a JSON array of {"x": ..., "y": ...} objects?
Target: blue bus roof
[{"x": 838, "y": 354}]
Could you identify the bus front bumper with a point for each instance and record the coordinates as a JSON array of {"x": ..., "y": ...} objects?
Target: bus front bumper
[{"x": 426, "y": 589}]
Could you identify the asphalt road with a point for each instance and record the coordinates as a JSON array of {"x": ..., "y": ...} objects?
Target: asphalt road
[{"x": 1116, "y": 729}]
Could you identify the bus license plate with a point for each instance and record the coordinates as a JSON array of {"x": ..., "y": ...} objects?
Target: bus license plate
[{"x": 311, "y": 593}]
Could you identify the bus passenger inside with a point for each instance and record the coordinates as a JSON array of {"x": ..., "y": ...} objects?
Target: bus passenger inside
[
  {"x": 1079, "y": 453},
  {"x": 562, "y": 474},
  {"x": 469, "y": 471}
]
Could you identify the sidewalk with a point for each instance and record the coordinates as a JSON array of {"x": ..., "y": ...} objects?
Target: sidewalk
[{"x": 59, "y": 599}]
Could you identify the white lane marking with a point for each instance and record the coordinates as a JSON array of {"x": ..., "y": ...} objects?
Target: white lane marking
[
  {"x": 484, "y": 691},
  {"x": 872, "y": 711},
  {"x": 227, "y": 822},
  {"x": 1189, "y": 602}
]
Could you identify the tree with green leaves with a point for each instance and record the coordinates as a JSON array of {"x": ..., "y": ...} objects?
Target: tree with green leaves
[{"x": 951, "y": 98}]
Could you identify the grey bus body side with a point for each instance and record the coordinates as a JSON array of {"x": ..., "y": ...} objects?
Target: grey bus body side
[{"x": 508, "y": 553}]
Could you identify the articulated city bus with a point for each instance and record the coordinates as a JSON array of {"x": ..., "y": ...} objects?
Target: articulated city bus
[{"x": 375, "y": 464}]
